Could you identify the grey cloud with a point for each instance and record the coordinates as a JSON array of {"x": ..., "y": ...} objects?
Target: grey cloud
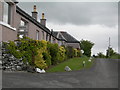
[{"x": 77, "y": 13}]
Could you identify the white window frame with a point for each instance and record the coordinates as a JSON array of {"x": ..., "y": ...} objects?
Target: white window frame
[{"x": 37, "y": 35}]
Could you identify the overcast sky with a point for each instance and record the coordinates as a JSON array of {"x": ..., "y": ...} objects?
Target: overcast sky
[{"x": 94, "y": 21}]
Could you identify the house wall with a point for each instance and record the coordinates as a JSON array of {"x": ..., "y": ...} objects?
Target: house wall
[
  {"x": 7, "y": 30},
  {"x": 8, "y": 34},
  {"x": 11, "y": 34},
  {"x": 74, "y": 45},
  {"x": 32, "y": 28},
  {"x": 1, "y": 11},
  {"x": 1, "y": 19}
]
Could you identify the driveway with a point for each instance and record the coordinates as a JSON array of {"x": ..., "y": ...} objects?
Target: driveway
[{"x": 103, "y": 74}]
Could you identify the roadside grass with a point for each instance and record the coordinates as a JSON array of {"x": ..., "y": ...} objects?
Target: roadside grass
[
  {"x": 74, "y": 63},
  {"x": 115, "y": 57}
]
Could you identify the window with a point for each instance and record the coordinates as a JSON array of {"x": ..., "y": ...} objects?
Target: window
[
  {"x": 23, "y": 28},
  {"x": 7, "y": 13},
  {"x": 37, "y": 35},
  {"x": 22, "y": 23},
  {"x": 47, "y": 36},
  {"x": 43, "y": 35}
]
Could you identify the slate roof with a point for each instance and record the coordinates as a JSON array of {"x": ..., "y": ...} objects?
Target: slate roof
[
  {"x": 60, "y": 37},
  {"x": 69, "y": 38},
  {"x": 55, "y": 34}
]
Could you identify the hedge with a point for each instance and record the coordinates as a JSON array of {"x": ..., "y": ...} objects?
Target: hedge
[{"x": 41, "y": 54}]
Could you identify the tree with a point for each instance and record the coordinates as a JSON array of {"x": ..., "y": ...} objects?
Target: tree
[
  {"x": 86, "y": 46},
  {"x": 100, "y": 55},
  {"x": 109, "y": 52}
]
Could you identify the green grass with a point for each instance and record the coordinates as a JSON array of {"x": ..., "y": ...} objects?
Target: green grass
[
  {"x": 115, "y": 57},
  {"x": 74, "y": 64}
]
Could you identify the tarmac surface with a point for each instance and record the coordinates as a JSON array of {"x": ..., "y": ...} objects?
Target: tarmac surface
[{"x": 103, "y": 74}]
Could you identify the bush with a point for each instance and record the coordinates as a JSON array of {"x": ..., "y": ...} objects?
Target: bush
[
  {"x": 69, "y": 52},
  {"x": 75, "y": 52},
  {"x": 45, "y": 53},
  {"x": 40, "y": 54},
  {"x": 79, "y": 53},
  {"x": 47, "y": 58},
  {"x": 39, "y": 62},
  {"x": 61, "y": 54},
  {"x": 12, "y": 49},
  {"x": 53, "y": 50}
]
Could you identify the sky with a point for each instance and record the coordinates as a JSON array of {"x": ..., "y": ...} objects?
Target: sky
[{"x": 93, "y": 21}]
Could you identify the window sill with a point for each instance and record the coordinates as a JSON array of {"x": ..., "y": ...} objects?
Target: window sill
[{"x": 7, "y": 25}]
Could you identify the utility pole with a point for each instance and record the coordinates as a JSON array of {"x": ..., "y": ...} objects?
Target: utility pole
[
  {"x": 109, "y": 48},
  {"x": 109, "y": 42}
]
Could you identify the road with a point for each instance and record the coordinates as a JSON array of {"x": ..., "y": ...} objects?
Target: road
[{"x": 103, "y": 74}]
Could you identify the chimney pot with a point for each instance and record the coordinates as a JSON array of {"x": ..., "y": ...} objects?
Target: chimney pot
[
  {"x": 34, "y": 13},
  {"x": 43, "y": 20},
  {"x": 34, "y": 8},
  {"x": 43, "y": 17}
]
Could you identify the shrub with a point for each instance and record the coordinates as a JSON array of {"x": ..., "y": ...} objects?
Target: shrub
[
  {"x": 47, "y": 58},
  {"x": 25, "y": 48},
  {"x": 75, "y": 52},
  {"x": 39, "y": 62},
  {"x": 45, "y": 53},
  {"x": 79, "y": 53},
  {"x": 53, "y": 50},
  {"x": 11, "y": 48},
  {"x": 69, "y": 52},
  {"x": 61, "y": 54}
]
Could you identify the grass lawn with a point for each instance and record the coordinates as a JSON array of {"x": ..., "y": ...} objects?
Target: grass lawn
[{"x": 74, "y": 64}]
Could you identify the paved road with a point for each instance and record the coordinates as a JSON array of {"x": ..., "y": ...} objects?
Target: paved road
[{"x": 103, "y": 74}]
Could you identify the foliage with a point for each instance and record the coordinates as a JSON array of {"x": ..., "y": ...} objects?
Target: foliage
[
  {"x": 39, "y": 62},
  {"x": 11, "y": 48},
  {"x": 86, "y": 46},
  {"x": 28, "y": 48},
  {"x": 25, "y": 48},
  {"x": 46, "y": 55},
  {"x": 109, "y": 52},
  {"x": 53, "y": 49},
  {"x": 79, "y": 53},
  {"x": 61, "y": 54},
  {"x": 100, "y": 55},
  {"x": 69, "y": 52},
  {"x": 40, "y": 54},
  {"x": 47, "y": 58},
  {"x": 75, "y": 52},
  {"x": 115, "y": 56}
]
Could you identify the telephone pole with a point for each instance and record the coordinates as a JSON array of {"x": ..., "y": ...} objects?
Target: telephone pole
[
  {"x": 109, "y": 48},
  {"x": 109, "y": 42}
]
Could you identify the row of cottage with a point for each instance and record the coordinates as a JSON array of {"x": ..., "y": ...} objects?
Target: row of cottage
[{"x": 16, "y": 23}]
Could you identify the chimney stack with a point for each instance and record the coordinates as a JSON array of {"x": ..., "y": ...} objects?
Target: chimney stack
[
  {"x": 34, "y": 13},
  {"x": 43, "y": 20}
]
